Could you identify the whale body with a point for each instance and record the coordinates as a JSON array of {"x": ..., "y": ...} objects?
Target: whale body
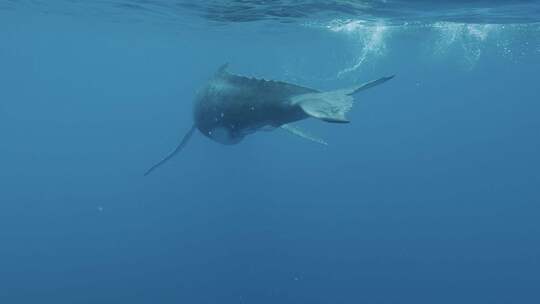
[{"x": 230, "y": 107}]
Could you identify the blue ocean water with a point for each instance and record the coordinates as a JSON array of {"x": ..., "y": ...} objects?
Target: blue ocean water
[{"x": 430, "y": 195}]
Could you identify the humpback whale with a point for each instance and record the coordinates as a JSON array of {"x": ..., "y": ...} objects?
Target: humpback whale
[{"x": 231, "y": 107}]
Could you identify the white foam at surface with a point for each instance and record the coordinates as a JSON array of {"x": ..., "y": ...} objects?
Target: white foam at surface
[
  {"x": 469, "y": 40},
  {"x": 371, "y": 39}
]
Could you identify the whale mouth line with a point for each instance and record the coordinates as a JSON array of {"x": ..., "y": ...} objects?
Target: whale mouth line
[{"x": 224, "y": 135}]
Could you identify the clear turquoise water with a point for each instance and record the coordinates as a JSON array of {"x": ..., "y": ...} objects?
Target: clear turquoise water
[{"x": 429, "y": 195}]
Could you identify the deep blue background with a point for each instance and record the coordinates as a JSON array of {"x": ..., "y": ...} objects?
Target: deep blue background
[{"x": 430, "y": 195}]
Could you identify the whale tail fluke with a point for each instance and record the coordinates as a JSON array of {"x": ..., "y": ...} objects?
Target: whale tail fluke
[
  {"x": 370, "y": 84},
  {"x": 333, "y": 105},
  {"x": 174, "y": 152}
]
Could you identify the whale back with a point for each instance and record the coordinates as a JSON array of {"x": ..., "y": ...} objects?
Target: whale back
[{"x": 272, "y": 88}]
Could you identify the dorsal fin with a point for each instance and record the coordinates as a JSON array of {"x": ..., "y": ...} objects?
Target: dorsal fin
[{"x": 222, "y": 69}]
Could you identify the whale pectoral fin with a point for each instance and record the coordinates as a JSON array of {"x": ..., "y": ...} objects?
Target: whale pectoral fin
[
  {"x": 327, "y": 106},
  {"x": 174, "y": 152},
  {"x": 296, "y": 131}
]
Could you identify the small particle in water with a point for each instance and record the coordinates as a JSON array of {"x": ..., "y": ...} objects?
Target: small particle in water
[
  {"x": 296, "y": 278},
  {"x": 252, "y": 108},
  {"x": 222, "y": 114},
  {"x": 100, "y": 208}
]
